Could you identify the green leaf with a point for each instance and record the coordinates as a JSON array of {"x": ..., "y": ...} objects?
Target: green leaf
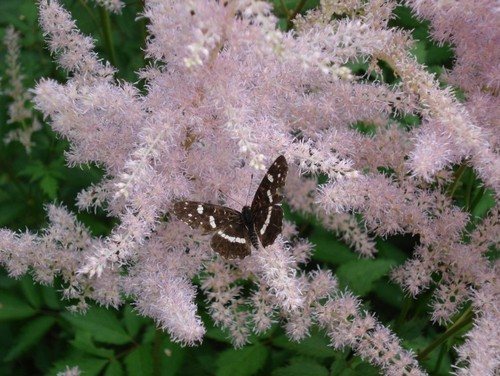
[
  {"x": 10, "y": 211},
  {"x": 133, "y": 320},
  {"x": 49, "y": 186},
  {"x": 217, "y": 334},
  {"x": 140, "y": 361},
  {"x": 31, "y": 292},
  {"x": 114, "y": 369},
  {"x": 389, "y": 293},
  {"x": 172, "y": 357},
  {"x": 338, "y": 366},
  {"x": 35, "y": 171},
  {"x": 316, "y": 346},
  {"x": 366, "y": 369},
  {"x": 484, "y": 205},
  {"x": 301, "y": 368},
  {"x": 88, "y": 366},
  {"x": 12, "y": 308},
  {"x": 50, "y": 297},
  {"x": 328, "y": 249},
  {"x": 390, "y": 251},
  {"x": 420, "y": 52},
  {"x": 31, "y": 334},
  {"x": 83, "y": 341},
  {"x": 243, "y": 362},
  {"x": 359, "y": 275},
  {"x": 102, "y": 324}
]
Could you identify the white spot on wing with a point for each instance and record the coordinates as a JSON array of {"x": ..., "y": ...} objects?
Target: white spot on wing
[
  {"x": 232, "y": 239},
  {"x": 212, "y": 221},
  {"x": 268, "y": 219},
  {"x": 270, "y": 178},
  {"x": 269, "y": 195},
  {"x": 200, "y": 209}
]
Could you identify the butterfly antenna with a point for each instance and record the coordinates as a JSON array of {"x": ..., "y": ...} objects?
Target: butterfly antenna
[
  {"x": 227, "y": 196},
  {"x": 249, "y": 187}
]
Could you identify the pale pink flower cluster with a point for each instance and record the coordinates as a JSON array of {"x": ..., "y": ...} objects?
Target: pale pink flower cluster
[
  {"x": 227, "y": 92},
  {"x": 18, "y": 111}
]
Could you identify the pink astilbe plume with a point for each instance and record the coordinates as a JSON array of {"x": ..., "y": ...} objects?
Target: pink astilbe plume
[{"x": 225, "y": 94}]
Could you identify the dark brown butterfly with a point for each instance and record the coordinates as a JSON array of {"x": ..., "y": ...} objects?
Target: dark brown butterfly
[{"x": 235, "y": 232}]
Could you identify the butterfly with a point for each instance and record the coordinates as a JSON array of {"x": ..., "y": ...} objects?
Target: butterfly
[{"x": 236, "y": 232}]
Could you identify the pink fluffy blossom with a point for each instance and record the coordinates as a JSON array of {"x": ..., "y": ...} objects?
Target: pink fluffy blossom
[{"x": 226, "y": 93}]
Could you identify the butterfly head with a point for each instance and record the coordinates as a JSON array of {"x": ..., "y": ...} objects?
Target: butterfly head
[{"x": 246, "y": 214}]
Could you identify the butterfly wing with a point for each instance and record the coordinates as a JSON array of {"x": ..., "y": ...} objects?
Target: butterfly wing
[
  {"x": 232, "y": 241},
  {"x": 266, "y": 205},
  {"x": 209, "y": 217},
  {"x": 231, "y": 236}
]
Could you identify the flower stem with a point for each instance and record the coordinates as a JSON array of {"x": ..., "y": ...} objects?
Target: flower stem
[
  {"x": 461, "y": 322},
  {"x": 458, "y": 176},
  {"x": 106, "y": 28},
  {"x": 296, "y": 11}
]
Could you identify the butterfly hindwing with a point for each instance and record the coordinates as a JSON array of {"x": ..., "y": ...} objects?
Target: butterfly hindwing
[
  {"x": 266, "y": 205},
  {"x": 232, "y": 241},
  {"x": 208, "y": 217}
]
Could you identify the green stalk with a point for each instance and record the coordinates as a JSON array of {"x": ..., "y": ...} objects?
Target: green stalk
[
  {"x": 458, "y": 176},
  {"x": 285, "y": 9},
  {"x": 468, "y": 190},
  {"x": 108, "y": 41},
  {"x": 296, "y": 11},
  {"x": 407, "y": 302},
  {"x": 461, "y": 322}
]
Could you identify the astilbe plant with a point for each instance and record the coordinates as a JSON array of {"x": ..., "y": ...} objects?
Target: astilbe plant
[{"x": 227, "y": 92}]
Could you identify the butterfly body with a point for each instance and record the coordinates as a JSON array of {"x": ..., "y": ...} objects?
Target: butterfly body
[
  {"x": 247, "y": 218},
  {"x": 236, "y": 232}
]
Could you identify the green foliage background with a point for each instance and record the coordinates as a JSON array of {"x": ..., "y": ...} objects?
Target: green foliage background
[{"x": 39, "y": 336}]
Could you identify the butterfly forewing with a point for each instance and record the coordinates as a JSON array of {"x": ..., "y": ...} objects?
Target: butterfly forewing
[
  {"x": 208, "y": 217},
  {"x": 269, "y": 191},
  {"x": 266, "y": 205},
  {"x": 268, "y": 224}
]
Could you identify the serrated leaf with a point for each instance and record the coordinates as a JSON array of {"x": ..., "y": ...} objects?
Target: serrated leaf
[
  {"x": 243, "y": 362},
  {"x": 140, "y": 361},
  {"x": 133, "y": 321},
  {"x": 30, "y": 334},
  {"x": 83, "y": 341},
  {"x": 102, "y": 324},
  {"x": 12, "y": 308},
  {"x": 359, "y": 275},
  {"x": 34, "y": 171},
  {"x": 303, "y": 368},
  {"x": 31, "y": 292},
  {"x": 114, "y": 368},
  {"x": 314, "y": 346}
]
